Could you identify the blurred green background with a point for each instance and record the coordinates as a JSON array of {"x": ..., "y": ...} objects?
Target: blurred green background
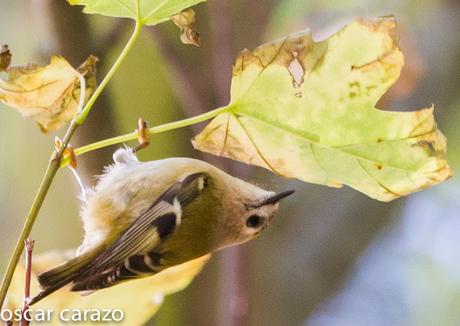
[{"x": 332, "y": 257}]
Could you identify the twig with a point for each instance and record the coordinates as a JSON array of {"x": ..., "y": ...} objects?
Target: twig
[
  {"x": 154, "y": 130},
  {"x": 29, "y": 244},
  {"x": 45, "y": 184}
]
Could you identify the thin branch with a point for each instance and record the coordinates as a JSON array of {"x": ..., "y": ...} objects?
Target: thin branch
[
  {"x": 154, "y": 130},
  {"x": 29, "y": 244},
  {"x": 37, "y": 203}
]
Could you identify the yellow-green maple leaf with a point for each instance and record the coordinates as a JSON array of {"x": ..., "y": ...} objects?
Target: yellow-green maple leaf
[{"x": 306, "y": 110}]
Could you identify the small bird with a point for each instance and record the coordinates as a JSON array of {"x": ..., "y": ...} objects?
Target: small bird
[{"x": 143, "y": 217}]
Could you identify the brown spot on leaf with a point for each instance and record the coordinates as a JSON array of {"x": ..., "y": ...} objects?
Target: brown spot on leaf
[
  {"x": 245, "y": 58},
  {"x": 354, "y": 84},
  {"x": 384, "y": 24},
  {"x": 355, "y": 89},
  {"x": 426, "y": 145}
]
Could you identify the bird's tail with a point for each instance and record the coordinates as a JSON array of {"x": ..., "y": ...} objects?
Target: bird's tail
[{"x": 61, "y": 275}]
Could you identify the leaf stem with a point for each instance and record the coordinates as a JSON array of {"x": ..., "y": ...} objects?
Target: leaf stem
[
  {"x": 53, "y": 167},
  {"x": 154, "y": 130}
]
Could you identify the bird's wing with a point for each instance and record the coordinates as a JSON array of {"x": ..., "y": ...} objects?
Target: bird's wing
[{"x": 133, "y": 254}]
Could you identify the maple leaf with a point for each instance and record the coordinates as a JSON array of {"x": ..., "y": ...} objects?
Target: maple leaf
[
  {"x": 48, "y": 94},
  {"x": 306, "y": 110}
]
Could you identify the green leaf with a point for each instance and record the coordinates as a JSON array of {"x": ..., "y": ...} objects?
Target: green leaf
[
  {"x": 306, "y": 110},
  {"x": 148, "y": 12},
  {"x": 139, "y": 299}
]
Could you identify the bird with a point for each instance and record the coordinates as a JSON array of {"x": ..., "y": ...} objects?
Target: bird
[{"x": 144, "y": 217}]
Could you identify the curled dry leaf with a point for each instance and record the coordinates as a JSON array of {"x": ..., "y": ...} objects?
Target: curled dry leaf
[
  {"x": 5, "y": 58},
  {"x": 186, "y": 22},
  {"x": 139, "y": 299},
  {"x": 306, "y": 110},
  {"x": 48, "y": 94}
]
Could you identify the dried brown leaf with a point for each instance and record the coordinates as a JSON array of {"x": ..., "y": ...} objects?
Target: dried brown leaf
[
  {"x": 5, "y": 58},
  {"x": 185, "y": 20},
  {"x": 48, "y": 94}
]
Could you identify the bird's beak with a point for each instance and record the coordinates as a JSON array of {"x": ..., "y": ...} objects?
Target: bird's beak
[{"x": 276, "y": 198}]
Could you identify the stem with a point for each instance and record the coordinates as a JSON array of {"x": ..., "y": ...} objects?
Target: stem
[
  {"x": 45, "y": 184},
  {"x": 53, "y": 166},
  {"x": 154, "y": 130},
  {"x": 25, "y": 310}
]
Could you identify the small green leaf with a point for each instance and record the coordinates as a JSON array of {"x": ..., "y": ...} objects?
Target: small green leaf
[
  {"x": 306, "y": 110},
  {"x": 147, "y": 12}
]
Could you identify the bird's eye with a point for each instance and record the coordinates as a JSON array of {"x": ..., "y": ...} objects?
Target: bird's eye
[{"x": 254, "y": 221}]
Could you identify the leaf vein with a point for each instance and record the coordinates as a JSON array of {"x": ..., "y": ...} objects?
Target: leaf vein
[
  {"x": 287, "y": 130},
  {"x": 126, "y": 7},
  {"x": 316, "y": 160},
  {"x": 255, "y": 145},
  {"x": 375, "y": 179},
  {"x": 154, "y": 10}
]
